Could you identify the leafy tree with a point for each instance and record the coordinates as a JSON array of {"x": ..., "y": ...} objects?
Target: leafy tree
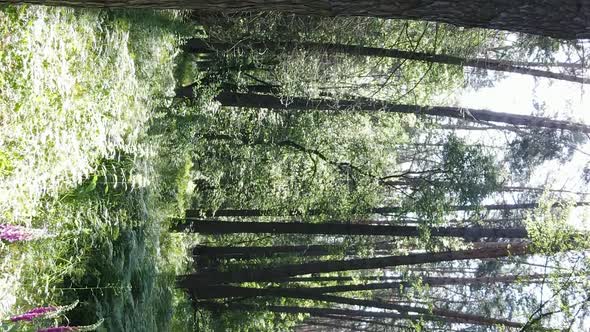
[
  {"x": 528, "y": 151},
  {"x": 464, "y": 176}
]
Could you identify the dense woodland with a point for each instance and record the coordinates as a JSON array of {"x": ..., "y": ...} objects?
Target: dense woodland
[
  {"x": 336, "y": 182},
  {"x": 342, "y": 193}
]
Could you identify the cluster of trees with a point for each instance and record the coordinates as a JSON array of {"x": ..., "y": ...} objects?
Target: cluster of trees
[
  {"x": 423, "y": 289},
  {"x": 334, "y": 186}
]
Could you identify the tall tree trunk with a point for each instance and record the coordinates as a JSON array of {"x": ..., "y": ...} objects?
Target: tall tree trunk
[
  {"x": 230, "y": 252},
  {"x": 356, "y": 319},
  {"x": 283, "y": 272},
  {"x": 554, "y": 64},
  {"x": 196, "y": 45},
  {"x": 379, "y": 210},
  {"x": 253, "y": 227},
  {"x": 431, "y": 281},
  {"x": 474, "y": 128},
  {"x": 541, "y": 189},
  {"x": 411, "y": 182},
  {"x": 337, "y": 278},
  {"x": 348, "y": 313},
  {"x": 312, "y": 326},
  {"x": 320, "y": 312},
  {"x": 566, "y": 19},
  {"x": 210, "y": 292},
  {"x": 235, "y": 99}
]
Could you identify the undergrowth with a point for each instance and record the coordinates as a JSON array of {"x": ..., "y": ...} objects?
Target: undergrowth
[{"x": 80, "y": 90}]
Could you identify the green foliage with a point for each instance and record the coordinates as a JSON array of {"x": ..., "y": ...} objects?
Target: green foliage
[
  {"x": 77, "y": 85},
  {"x": 466, "y": 175},
  {"x": 550, "y": 230},
  {"x": 291, "y": 161},
  {"x": 536, "y": 47},
  {"x": 473, "y": 175}
]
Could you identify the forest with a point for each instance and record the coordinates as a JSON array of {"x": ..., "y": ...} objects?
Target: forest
[{"x": 298, "y": 166}]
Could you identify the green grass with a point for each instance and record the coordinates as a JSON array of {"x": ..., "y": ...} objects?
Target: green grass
[{"x": 79, "y": 90}]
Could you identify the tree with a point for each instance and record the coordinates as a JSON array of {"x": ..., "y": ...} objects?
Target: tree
[
  {"x": 199, "y": 46},
  {"x": 287, "y": 271},
  {"x": 539, "y": 145},
  {"x": 566, "y": 19},
  {"x": 222, "y": 291},
  {"x": 229, "y": 98},
  {"x": 449, "y": 317},
  {"x": 430, "y": 281},
  {"x": 454, "y": 174},
  {"x": 377, "y": 210},
  {"x": 225, "y": 227},
  {"x": 231, "y": 252}
]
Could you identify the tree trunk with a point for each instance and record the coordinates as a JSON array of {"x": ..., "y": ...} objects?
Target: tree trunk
[
  {"x": 379, "y": 210},
  {"x": 431, "y": 281},
  {"x": 235, "y": 99},
  {"x": 541, "y": 189},
  {"x": 474, "y": 128},
  {"x": 230, "y": 252},
  {"x": 434, "y": 314},
  {"x": 194, "y": 45},
  {"x": 566, "y": 19},
  {"x": 554, "y": 64},
  {"x": 322, "y": 312},
  {"x": 283, "y": 272},
  {"x": 356, "y": 319},
  {"x": 337, "y": 278},
  {"x": 313, "y": 327},
  {"x": 253, "y": 227},
  {"x": 417, "y": 181}
]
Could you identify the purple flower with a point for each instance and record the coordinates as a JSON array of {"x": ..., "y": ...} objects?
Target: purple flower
[
  {"x": 13, "y": 233},
  {"x": 58, "y": 329},
  {"x": 48, "y": 311},
  {"x": 33, "y": 313},
  {"x": 72, "y": 328}
]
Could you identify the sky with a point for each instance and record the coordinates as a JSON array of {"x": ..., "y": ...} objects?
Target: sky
[
  {"x": 515, "y": 94},
  {"x": 563, "y": 100}
]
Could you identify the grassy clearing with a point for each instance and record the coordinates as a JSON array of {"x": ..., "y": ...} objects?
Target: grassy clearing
[{"x": 79, "y": 91}]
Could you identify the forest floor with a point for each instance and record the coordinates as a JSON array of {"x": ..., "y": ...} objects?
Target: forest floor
[{"x": 81, "y": 160}]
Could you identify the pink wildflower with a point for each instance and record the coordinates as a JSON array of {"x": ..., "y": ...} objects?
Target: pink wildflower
[
  {"x": 48, "y": 311},
  {"x": 72, "y": 328},
  {"x": 33, "y": 313},
  {"x": 58, "y": 329},
  {"x": 13, "y": 233}
]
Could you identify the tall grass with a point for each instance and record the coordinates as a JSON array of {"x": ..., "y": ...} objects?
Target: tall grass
[
  {"x": 78, "y": 91},
  {"x": 76, "y": 87}
]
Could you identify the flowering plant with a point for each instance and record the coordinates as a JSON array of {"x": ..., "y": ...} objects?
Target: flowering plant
[
  {"x": 72, "y": 328},
  {"x": 45, "y": 312},
  {"x": 13, "y": 233},
  {"x": 32, "y": 314}
]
